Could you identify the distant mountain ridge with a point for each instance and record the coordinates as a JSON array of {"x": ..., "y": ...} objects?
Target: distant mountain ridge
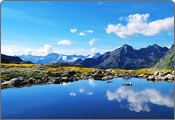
[
  {"x": 126, "y": 57},
  {"x": 55, "y": 57},
  {"x": 13, "y": 59},
  {"x": 10, "y": 59}
]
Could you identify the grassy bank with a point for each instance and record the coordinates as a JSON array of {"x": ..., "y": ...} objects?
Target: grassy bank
[{"x": 9, "y": 71}]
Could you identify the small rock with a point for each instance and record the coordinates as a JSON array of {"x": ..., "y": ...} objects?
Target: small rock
[
  {"x": 156, "y": 73},
  {"x": 151, "y": 78},
  {"x": 65, "y": 78},
  {"x": 109, "y": 81},
  {"x": 141, "y": 75},
  {"x": 107, "y": 77}
]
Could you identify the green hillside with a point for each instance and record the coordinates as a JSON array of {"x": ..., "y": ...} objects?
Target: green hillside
[{"x": 167, "y": 61}]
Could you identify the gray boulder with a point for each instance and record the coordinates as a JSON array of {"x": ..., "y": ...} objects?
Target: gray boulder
[
  {"x": 98, "y": 75},
  {"x": 170, "y": 77},
  {"x": 166, "y": 73},
  {"x": 15, "y": 81}
]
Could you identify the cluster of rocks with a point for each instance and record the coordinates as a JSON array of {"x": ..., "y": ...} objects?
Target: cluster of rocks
[
  {"x": 161, "y": 76},
  {"x": 71, "y": 76}
]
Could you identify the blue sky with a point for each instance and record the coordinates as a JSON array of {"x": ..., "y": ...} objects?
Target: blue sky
[{"x": 84, "y": 27}]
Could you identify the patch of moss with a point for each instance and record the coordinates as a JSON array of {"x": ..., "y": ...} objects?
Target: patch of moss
[
  {"x": 5, "y": 77},
  {"x": 37, "y": 76}
]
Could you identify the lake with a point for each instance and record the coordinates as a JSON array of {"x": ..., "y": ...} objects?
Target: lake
[{"x": 90, "y": 99}]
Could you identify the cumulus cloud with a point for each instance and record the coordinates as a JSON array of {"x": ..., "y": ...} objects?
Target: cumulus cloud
[
  {"x": 64, "y": 42},
  {"x": 72, "y": 94},
  {"x": 91, "y": 42},
  {"x": 138, "y": 24},
  {"x": 12, "y": 50},
  {"x": 82, "y": 34},
  {"x": 46, "y": 49},
  {"x": 23, "y": 50},
  {"x": 138, "y": 100},
  {"x": 73, "y": 30},
  {"x": 93, "y": 50},
  {"x": 89, "y": 31}
]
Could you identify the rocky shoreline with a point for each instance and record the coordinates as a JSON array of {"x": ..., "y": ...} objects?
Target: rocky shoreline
[{"x": 71, "y": 76}]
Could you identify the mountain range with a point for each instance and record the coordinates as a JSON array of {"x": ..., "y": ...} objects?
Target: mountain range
[
  {"x": 55, "y": 57},
  {"x": 126, "y": 57}
]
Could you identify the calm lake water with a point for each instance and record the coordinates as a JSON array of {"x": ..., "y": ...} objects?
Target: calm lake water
[{"x": 90, "y": 99}]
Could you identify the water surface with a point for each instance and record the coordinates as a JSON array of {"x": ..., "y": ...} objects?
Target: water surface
[{"x": 90, "y": 99}]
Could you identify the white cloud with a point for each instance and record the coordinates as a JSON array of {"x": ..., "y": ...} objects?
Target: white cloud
[
  {"x": 138, "y": 24},
  {"x": 64, "y": 42},
  {"x": 90, "y": 93},
  {"x": 93, "y": 50},
  {"x": 82, "y": 34},
  {"x": 72, "y": 94},
  {"x": 91, "y": 42},
  {"x": 27, "y": 51},
  {"x": 23, "y": 50},
  {"x": 46, "y": 49},
  {"x": 81, "y": 90},
  {"x": 89, "y": 31},
  {"x": 12, "y": 50},
  {"x": 138, "y": 100},
  {"x": 20, "y": 50},
  {"x": 73, "y": 30}
]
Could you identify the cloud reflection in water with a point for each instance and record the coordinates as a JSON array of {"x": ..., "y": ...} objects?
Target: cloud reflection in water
[
  {"x": 138, "y": 100},
  {"x": 91, "y": 82}
]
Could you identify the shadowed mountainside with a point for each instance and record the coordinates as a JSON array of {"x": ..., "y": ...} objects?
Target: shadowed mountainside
[{"x": 126, "y": 57}]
